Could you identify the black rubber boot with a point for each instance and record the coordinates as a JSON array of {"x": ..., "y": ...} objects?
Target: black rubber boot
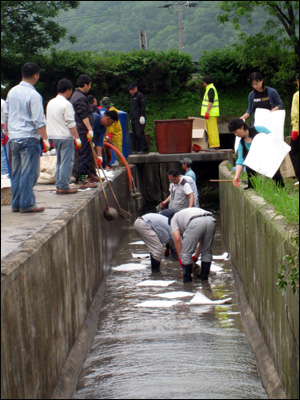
[
  {"x": 187, "y": 273},
  {"x": 205, "y": 268},
  {"x": 155, "y": 265}
]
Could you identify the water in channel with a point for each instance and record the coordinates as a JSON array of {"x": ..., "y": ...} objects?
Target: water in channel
[{"x": 181, "y": 352}]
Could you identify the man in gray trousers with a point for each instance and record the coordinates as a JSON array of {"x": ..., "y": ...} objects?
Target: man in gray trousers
[
  {"x": 190, "y": 227},
  {"x": 155, "y": 231}
]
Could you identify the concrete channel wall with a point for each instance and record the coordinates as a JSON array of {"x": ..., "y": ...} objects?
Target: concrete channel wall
[
  {"x": 257, "y": 241},
  {"x": 47, "y": 289}
]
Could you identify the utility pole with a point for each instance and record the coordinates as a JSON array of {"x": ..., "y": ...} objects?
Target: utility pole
[
  {"x": 143, "y": 40},
  {"x": 180, "y": 28},
  {"x": 180, "y": 46}
]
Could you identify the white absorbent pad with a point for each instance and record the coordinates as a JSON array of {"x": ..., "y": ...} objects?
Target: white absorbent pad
[
  {"x": 174, "y": 295},
  {"x": 200, "y": 298},
  {"x": 138, "y": 242},
  {"x": 135, "y": 255},
  {"x": 155, "y": 283},
  {"x": 224, "y": 256},
  {"x": 266, "y": 154},
  {"x": 129, "y": 267},
  {"x": 158, "y": 303}
]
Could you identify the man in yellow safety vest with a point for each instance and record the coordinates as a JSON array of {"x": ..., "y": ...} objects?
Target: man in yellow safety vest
[{"x": 210, "y": 111}]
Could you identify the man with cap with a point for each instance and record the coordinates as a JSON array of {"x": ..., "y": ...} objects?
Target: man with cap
[
  {"x": 186, "y": 165},
  {"x": 137, "y": 116},
  {"x": 155, "y": 231},
  {"x": 114, "y": 132},
  {"x": 190, "y": 227}
]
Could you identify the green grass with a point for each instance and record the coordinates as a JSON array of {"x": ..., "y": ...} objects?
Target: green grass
[{"x": 284, "y": 200}]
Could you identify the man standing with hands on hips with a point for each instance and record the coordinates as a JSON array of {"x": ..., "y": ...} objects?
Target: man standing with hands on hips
[
  {"x": 137, "y": 116},
  {"x": 210, "y": 111}
]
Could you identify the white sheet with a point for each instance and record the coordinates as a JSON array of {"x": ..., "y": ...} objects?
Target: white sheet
[
  {"x": 129, "y": 267},
  {"x": 200, "y": 298},
  {"x": 138, "y": 242},
  {"x": 224, "y": 256},
  {"x": 158, "y": 303},
  {"x": 155, "y": 283},
  {"x": 135, "y": 255},
  {"x": 174, "y": 295},
  {"x": 266, "y": 154},
  {"x": 274, "y": 121}
]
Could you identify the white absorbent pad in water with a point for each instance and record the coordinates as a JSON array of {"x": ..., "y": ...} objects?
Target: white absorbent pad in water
[
  {"x": 200, "y": 298},
  {"x": 138, "y": 242},
  {"x": 129, "y": 267},
  {"x": 224, "y": 256},
  {"x": 174, "y": 295},
  {"x": 135, "y": 255},
  {"x": 158, "y": 303},
  {"x": 155, "y": 283}
]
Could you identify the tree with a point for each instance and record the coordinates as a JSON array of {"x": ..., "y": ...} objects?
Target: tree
[
  {"x": 27, "y": 27},
  {"x": 286, "y": 12}
]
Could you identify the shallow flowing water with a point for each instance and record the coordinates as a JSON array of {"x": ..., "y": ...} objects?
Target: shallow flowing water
[{"x": 180, "y": 352}]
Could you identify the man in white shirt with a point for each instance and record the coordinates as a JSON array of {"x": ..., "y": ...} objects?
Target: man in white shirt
[
  {"x": 25, "y": 122},
  {"x": 61, "y": 129}
]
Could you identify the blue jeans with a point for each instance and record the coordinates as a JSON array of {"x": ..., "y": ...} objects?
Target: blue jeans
[
  {"x": 4, "y": 166},
  {"x": 25, "y": 173},
  {"x": 65, "y": 151}
]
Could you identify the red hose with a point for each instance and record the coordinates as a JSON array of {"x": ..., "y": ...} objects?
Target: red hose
[{"x": 110, "y": 146}]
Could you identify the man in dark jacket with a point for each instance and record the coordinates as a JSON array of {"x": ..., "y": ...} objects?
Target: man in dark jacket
[
  {"x": 84, "y": 123},
  {"x": 137, "y": 116}
]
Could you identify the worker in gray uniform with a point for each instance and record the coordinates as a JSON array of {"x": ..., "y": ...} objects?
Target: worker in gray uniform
[
  {"x": 193, "y": 185},
  {"x": 190, "y": 227},
  {"x": 181, "y": 194},
  {"x": 155, "y": 231}
]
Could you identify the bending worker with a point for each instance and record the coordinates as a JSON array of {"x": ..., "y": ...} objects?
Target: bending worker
[
  {"x": 181, "y": 194},
  {"x": 154, "y": 230},
  {"x": 191, "y": 227}
]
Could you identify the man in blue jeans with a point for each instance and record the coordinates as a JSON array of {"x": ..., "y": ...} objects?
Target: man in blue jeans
[
  {"x": 61, "y": 129},
  {"x": 25, "y": 122}
]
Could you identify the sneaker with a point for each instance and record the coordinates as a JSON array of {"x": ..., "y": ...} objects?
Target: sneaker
[{"x": 35, "y": 210}]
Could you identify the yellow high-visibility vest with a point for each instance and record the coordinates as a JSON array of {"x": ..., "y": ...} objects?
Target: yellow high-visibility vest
[{"x": 214, "y": 111}]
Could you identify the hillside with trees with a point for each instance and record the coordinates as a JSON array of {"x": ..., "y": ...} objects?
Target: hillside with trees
[{"x": 115, "y": 26}]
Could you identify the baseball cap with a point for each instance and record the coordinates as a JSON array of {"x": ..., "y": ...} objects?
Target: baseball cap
[
  {"x": 106, "y": 103},
  {"x": 186, "y": 161},
  {"x": 131, "y": 85}
]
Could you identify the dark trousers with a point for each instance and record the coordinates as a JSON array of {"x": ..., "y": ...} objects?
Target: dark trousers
[
  {"x": 294, "y": 154},
  {"x": 85, "y": 157},
  {"x": 138, "y": 132}
]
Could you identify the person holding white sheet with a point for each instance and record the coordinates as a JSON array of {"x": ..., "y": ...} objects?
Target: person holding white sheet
[
  {"x": 261, "y": 96},
  {"x": 294, "y": 153},
  {"x": 241, "y": 129}
]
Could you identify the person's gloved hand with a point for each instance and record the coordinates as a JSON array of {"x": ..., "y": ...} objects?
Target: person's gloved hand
[
  {"x": 295, "y": 135},
  {"x": 180, "y": 263},
  {"x": 89, "y": 135},
  {"x": 77, "y": 144},
  {"x": 46, "y": 145},
  {"x": 4, "y": 141},
  {"x": 99, "y": 161},
  {"x": 110, "y": 136},
  {"x": 142, "y": 120},
  {"x": 160, "y": 207},
  {"x": 195, "y": 259},
  {"x": 206, "y": 116}
]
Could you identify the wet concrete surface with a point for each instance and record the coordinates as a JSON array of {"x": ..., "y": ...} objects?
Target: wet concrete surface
[{"x": 197, "y": 352}]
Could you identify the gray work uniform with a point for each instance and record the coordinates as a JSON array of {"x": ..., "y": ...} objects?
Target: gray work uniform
[
  {"x": 194, "y": 224},
  {"x": 180, "y": 194},
  {"x": 155, "y": 231},
  {"x": 193, "y": 185}
]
